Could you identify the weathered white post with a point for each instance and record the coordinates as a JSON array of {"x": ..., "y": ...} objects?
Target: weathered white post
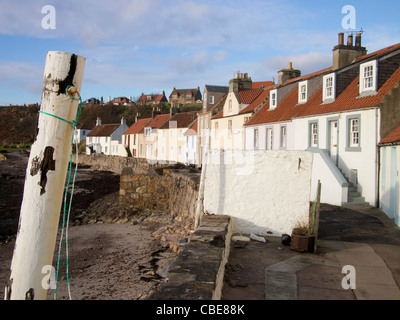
[{"x": 45, "y": 177}]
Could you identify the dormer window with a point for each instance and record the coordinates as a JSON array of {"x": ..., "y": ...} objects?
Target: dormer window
[
  {"x": 303, "y": 92},
  {"x": 329, "y": 83},
  {"x": 368, "y": 77},
  {"x": 272, "y": 99},
  {"x": 147, "y": 131}
]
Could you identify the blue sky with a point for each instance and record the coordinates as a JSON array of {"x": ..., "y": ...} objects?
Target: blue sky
[{"x": 135, "y": 46}]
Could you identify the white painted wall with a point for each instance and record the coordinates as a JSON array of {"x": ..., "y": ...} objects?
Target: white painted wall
[
  {"x": 263, "y": 190},
  {"x": 389, "y": 195},
  {"x": 363, "y": 160},
  {"x": 262, "y": 132}
]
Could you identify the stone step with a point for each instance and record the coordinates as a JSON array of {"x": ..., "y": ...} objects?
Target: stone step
[
  {"x": 355, "y": 204},
  {"x": 355, "y": 199},
  {"x": 354, "y": 194}
]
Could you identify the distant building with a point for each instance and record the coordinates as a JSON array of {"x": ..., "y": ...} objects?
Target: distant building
[
  {"x": 211, "y": 94},
  {"x": 120, "y": 100},
  {"x": 82, "y": 130},
  {"x": 91, "y": 101},
  {"x": 106, "y": 138},
  {"x": 185, "y": 96},
  {"x": 153, "y": 99}
]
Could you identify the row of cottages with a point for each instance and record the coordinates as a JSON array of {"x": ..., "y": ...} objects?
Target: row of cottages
[
  {"x": 164, "y": 137},
  {"x": 106, "y": 138},
  {"x": 340, "y": 113},
  {"x": 221, "y": 126}
]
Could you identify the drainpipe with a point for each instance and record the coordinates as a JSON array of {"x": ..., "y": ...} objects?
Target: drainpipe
[{"x": 378, "y": 154}]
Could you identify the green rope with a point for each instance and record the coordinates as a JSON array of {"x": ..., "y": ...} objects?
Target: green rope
[{"x": 65, "y": 224}]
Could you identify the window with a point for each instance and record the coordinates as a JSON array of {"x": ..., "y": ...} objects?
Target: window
[
  {"x": 272, "y": 99},
  {"x": 283, "y": 137},
  {"x": 353, "y": 133},
  {"x": 230, "y": 105},
  {"x": 255, "y": 138},
  {"x": 313, "y": 134},
  {"x": 211, "y": 101},
  {"x": 329, "y": 86},
  {"x": 179, "y": 150},
  {"x": 230, "y": 129},
  {"x": 303, "y": 92},
  {"x": 368, "y": 77},
  {"x": 216, "y": 129},
  {"x": 180, "y": 133},
  {"x": 270, "y": 137},
  {"x": 147, "y": 132}
]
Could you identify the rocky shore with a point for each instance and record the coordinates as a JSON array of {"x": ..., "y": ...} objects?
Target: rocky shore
[{"x": 114, "y": 252}]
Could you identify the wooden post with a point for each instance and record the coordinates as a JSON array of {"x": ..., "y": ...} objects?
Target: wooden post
[
  {"x": 318, "y": 200},
  {"x": 45, "y": 178}
]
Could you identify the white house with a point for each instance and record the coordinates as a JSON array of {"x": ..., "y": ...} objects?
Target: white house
[
  {"x": 104, "y": 138},
  {"x": 172, "y": 139},
  {"x": 81, "y": 131},
  {"x": 338, "y": 114},
  {"x": 130, "y": 138},
  {"x": 191, "y": 144},
  {"x": 389, "y": 160}
]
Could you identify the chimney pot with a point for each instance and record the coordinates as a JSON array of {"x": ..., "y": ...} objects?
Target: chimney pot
[
  {"x": 341, "y": 38},
  {"x": 358, "y": 39},
  {"x": 350, "y": 40}
]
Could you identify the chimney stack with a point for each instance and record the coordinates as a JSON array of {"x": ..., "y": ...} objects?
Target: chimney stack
[
  {"x": 343, "y": 55},
  {"x": 287, "y": 74},
  {"x": 241, "y": 81},
  {"x": 98, "y": 122}
]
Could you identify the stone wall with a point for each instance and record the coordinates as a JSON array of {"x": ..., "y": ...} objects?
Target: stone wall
[
  {"x": 198, "y": 271},
  {"x": 173, "y": 190},
  {"x": 116, "y": 163}
]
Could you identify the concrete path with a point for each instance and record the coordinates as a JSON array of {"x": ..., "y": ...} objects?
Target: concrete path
[{"x": 358, "y": 258}]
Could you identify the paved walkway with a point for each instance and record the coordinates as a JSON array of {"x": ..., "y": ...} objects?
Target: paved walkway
[{"x": 362, "y": 238}]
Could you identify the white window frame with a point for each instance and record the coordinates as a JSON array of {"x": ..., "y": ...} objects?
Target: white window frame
[
  {"x": 273, "y": 96},
  {"x": 313, "y": 134},
  {"x": 256, "y": 138},
  {"x": 269, "y": 137},
  {"x": 283, "y": 137},
  {"x": 325, "y": 92},
  {"x": 353, "y": 133},
  {"x": 211, "y": 100},
  {"x": 147, "y": 131},
  {"x": 303, "y": 84},
  {"x": 230, "y": 129},
  {"x": 368, "y": 77}
]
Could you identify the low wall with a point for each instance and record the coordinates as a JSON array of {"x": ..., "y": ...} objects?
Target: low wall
[
  {"x": 198, "y": 272},
  {"x": 265, "y": 191},
  {"x": 173, "y": 190},
  {"x": 116, "y": 163}
]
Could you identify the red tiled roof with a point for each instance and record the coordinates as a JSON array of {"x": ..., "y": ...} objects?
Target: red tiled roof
[
  {"x": 259, "y": 84},
  {"x": 284, "y": 111},
  {"x": 157, "y": 121},
  {"x": 183, "y": 120},
  {"x": 259, "y": 101},
  {"x": 379, "y": 52},
  {"x": 247, "y": 96},
  {"x": 153, "y": 98},
  {"x": 349, "y": 99},
  {"x": 103, "y": 130},
  {"x": 392, "y": 137},
  {"x": 137, "y": 126}
]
